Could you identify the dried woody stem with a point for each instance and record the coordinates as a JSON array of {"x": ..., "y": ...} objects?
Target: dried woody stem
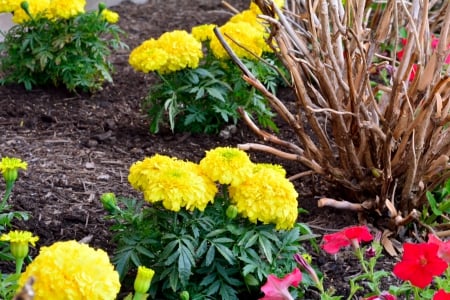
[{"x": 369, "y": 146}]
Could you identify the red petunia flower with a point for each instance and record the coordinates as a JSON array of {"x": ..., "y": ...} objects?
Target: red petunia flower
[
  {"x": 277, "y": 289},
  {"x": 441, "y": 295},
  {"x": 434, "y": 44},
  {"x": 383, "y": 296},
  {"x": 444, "y": 247},
  {"x": 355, "y": 234},
  {"x": 420, "y": 263}
]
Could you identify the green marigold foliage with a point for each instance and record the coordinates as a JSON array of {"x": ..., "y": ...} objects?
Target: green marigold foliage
[
  {"x": 209, "y": 242},
  {"x": 57, "y": 42}
]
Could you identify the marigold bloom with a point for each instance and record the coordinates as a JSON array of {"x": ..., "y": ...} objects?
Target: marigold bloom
[
  {"x": 277, "y": 289},
  {"x": 419, "y": 264},
  {"x": 9, "y": 167},
  {"x": 183, "y": 49},
  {"x": 147, "y": 57},
  {"x": 441, "y": 295},
  {"x": 19, "y": 241},
  {"x": 226, "y": 165},
  {"x": 444, "y": 247},
  {"x": 65, "y": 9},
  {"x": 175, "y": 50},
  {"x": 174, "y": 182},
  {"x": 110, "y": 16},
  {"x": 335, "y": 241},
  {"x": 35, "y": 8},
  {"x": 203, "y": 32},
  {"x": 245, "y": 40},
  {"x": 71, "y": 270},
  {"x": 266, "y": 196}
]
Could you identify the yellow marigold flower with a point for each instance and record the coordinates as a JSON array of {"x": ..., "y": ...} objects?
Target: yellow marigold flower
[
  {"x": 245, "y": 40},
  {"x": 183, "y": 50},
  {"x": 35, "y": 8},
  {"x": 71, "y": 270},
  {"x": 19, "y": 241},
  {"x": 277, "y": 168},
  {"x": 141, "y": 171},
  {"x": 226, "y": 165},
  {"x": 8, "y": 5},
  {"x": 268, "y": 197},
  {"x": 143, "y": 279},
  {"x": 9, "y": 166},
  {"x": 110, "y": 16},
  {"x": 174, "y": 182},
  {"x": 148, "y": 57},
  {"x": 65, "y": 9},
  {"x": 203, "y": 32},
  {"x": 256, "y": 10}
]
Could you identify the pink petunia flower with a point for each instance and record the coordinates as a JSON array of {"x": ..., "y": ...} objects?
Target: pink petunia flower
[
  {"x": 444, "y": 247},
  {"x": 277, "y": 289},
  {"x": 383, "y": 296},
  {"x": 348, "y": 236},
  {"x": 420, "y": 263}
]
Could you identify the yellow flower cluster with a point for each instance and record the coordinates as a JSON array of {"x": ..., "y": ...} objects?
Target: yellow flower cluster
[
  {"x": 266, "y": 196},
  {"x": 65, "y": 9},
  {"x": 203, "y": 32},
  {"x": 172, "y": 51},
  {"x": 226, "y": 165},
  {"x": 260, "y": 192},
  {"x": 175, "y": 182},
  {"x": 50, "y": 9},
  {"x": 110, "y": 16},
  {"x": 70, "y": 270},
  {"x": 245, "y": 34}
]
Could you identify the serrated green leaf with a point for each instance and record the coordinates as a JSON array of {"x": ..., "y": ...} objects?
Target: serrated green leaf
[
  {"x": 226, "y": 253},
  {"x": 266, "y": 247},
  {"x": 210, "y": 255}
]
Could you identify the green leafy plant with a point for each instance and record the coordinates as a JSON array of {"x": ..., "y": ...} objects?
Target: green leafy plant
[
  {"x": 218, "y": 245},
  {"x": 199, "y": 89},
  {"x": 56, "y": 46},
  {"x": 439, "y": 205}
]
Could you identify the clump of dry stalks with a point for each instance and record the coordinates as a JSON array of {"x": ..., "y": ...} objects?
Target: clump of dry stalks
[{"x": 388, "y": 152}]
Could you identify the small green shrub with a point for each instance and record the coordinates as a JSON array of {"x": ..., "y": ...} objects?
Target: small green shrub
[{"x": 59, "y": 47}]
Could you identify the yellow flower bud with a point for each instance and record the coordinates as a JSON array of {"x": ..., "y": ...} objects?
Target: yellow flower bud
[
  {"x": 232, "y": 211},
  {"x": 143, "y": 279},
  {"x": 109, "y": 201}
]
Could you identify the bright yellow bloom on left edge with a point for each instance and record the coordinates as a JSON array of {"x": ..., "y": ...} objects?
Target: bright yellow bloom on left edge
[
  {"x": 9, "y": 166},
  {"x": 71, "y": 270}
]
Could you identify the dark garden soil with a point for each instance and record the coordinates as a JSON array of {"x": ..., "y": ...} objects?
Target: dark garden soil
[{"x": 79, "y": 146}]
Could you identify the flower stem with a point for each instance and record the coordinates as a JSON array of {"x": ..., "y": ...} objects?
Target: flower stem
[
  {"x": 9, "y": 187},
  {"x": 19, "y": 264}
]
